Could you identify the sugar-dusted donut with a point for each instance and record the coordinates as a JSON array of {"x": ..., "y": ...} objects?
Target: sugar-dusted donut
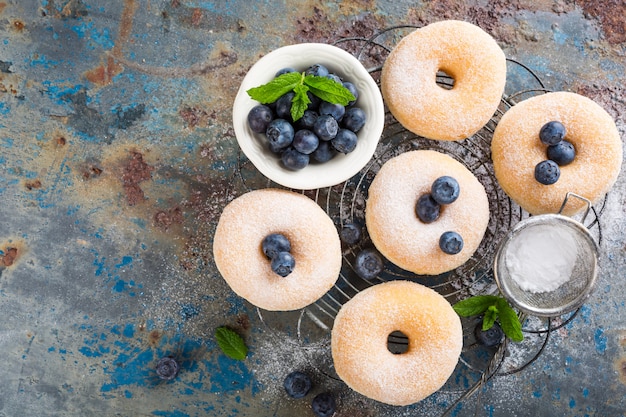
[
  {"x": 359, "y": 342},
  {"x": 463, "y": 51},
  {"x": 400, "y": 235},
  {"x": 315, "y": 245},
  {"x": 516, "y": 149}
]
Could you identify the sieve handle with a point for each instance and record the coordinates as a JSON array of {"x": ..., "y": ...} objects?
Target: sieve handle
[{"x": 586, "y": 200}]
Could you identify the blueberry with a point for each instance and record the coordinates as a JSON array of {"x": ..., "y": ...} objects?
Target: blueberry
[
  {"x": 259, "y": 118},
  {"x": 323, "y": 405},
  {"x": 297, "y": 384},
  {"x": 552, "y": 133},
  {"x": 451, "y": 243},
  {"x": 167, "y": 368},
  {"x": 305, "y": 141},
  {"x": 308, "y": 119},
  {"x": 368, "y": 263},
  {"x": 279, "y": 134},
  {"x": 326, "y": 127},
  {"x": 351, "y": 88},
  {"x": 314, "y": 101},
  {"x": 427, "y": 209},
  {"x": 293, "y": 159},
  {"x": 445, "y": 190},
  {"x": 274, "y": 243},
  {"x": 284, "y": 71},
  {"x": 283, "y": 106},
  {"x": 324, "y": 152},
  {"x": 547, "y": 172},
  {"x": 491, "y": 337},
  {"x": 283, "y": 263},
  {"x": 354, "y": 119},
  {"x": 335, "y": 78},
  {"x": 318, "y": 70},
  {"x": 350, "y": 233},
  {"x": 332, "y": 109},
  {"x": 345, "y": 141},
  {"x": 562, "y": 153}
]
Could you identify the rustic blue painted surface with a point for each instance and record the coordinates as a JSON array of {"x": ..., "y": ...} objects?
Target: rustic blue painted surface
[{"x": 117, "y": 155}]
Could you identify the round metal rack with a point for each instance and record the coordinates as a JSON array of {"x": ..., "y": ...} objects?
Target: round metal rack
[{"x": 345, "y": 203}]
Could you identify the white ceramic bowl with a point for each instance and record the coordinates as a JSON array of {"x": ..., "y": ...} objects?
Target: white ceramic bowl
[{"x": 315, "y": 175}]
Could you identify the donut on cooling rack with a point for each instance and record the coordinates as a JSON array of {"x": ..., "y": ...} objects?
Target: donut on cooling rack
[
  {"x": 517, "y": 150},
  {"x": 463, "y": 51},
  {"x": 313, "y": 242},
  {"x": 359, "y": 342},
  {"x": 401, "y": 235}
]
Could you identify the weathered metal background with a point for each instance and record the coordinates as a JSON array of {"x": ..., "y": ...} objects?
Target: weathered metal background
[{"x": 117, "y": 155}]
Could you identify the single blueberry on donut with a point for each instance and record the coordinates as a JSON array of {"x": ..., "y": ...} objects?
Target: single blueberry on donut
[
  {"x": 552, "y": 133},
  {"x": 368, "y": 264},
  {"x": 297, "y": 384},
  {"x": 445, "y": 190},
  {"x": 323, "y": 405},
  {"x": 562, "y": 153},
  {"x": 451, "y": 243},
  {"x": 547, "y": 172},
  {"x": 274, "y": 243},
  {"x": 491, "y": 337},
  {"x": 427, "y": 209},
  {"x": 283, "y": 263}
]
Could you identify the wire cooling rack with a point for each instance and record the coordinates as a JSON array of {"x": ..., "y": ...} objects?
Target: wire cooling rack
[{"x": 345, "y": 203}]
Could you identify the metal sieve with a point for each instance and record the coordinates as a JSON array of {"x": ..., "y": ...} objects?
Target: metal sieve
[{"x": 571, "y": 294}]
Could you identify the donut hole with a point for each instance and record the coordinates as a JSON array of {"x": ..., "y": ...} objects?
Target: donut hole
[
  {"x": 445, "y": 79},
  {"x": 397, "y": 342}
]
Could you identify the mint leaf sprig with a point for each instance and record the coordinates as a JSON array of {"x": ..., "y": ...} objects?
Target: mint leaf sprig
[
  {"x": 231, "y": 343},
  {"x": 301, "y": 83},
  {"x": 494, "y": 308}
]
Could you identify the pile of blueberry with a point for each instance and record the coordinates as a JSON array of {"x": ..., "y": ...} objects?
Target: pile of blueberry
[
  {"x": 444, "y": 190},
  {"x": 560, "y": 152},
  {"x": 298, "y": 384},
  {"x": 277, "y": 248},
  {"x": 324, "y": 130}
]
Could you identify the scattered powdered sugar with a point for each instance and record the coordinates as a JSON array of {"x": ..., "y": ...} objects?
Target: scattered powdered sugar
[{"x": 541, "y": 259}]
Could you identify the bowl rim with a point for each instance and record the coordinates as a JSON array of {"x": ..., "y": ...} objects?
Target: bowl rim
[{"x": 350, "y": 164}]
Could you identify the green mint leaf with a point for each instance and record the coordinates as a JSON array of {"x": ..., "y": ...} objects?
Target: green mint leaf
[
  {"x": 490, "y": 317},
  {"x": 231, "y": 343},
  {"x": 509, "y": 321},
  {"x": 279, "y": 86},
  {"x": 328, "y": 90},
  {"x": 299, "y": 102},
  {"x": 473, "y": 306}
]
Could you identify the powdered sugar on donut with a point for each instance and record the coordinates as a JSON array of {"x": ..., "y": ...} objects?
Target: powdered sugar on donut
[
  {"x": 516, "y": 150},
  {"x": 359, "y": 342},
  {"x": 460, "y": 49},
  {"x": 397, "y": 232},
  {"x": 315, "y": 245}
]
